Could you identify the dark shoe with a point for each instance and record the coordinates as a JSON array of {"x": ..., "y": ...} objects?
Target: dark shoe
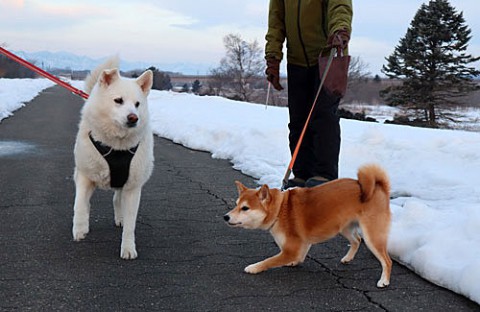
[
  {"x": 295, "y": 182},
  {"x": 316, "y": 181}
]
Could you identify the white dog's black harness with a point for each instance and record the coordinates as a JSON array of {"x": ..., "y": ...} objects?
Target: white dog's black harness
[{"x": 118, "y": 161}]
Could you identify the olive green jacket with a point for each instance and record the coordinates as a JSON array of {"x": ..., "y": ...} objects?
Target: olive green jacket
[{"x": 306, "y": 25}]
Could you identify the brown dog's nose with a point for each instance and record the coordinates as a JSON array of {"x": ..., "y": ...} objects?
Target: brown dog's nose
[
  {"x": 226, "y": 218},
  {"x": 132, "y": 120}
]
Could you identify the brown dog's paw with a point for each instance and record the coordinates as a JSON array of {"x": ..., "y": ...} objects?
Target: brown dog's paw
[
  {"x": 382, "y": 283},
  {"x": 253, "y": 268},
  {"x": 346, "y": 260}
]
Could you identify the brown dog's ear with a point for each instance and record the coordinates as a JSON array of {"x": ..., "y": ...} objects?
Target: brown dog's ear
[
  {"x": 108, "y": 76},
  {"x": 240, "y": 187},
  {"x": 264, "y": 193}
]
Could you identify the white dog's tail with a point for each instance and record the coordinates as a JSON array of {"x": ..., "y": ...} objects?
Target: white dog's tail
[
  {"x": 371, "y": 176},
  {"x": 92, "y": 78}
]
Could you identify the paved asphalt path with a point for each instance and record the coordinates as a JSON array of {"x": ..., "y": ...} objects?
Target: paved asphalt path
[{"x": 189, "y": 260}]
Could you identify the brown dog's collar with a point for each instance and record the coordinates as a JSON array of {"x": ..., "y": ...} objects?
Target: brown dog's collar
[
  {"x": 274, "y": 222},
  {"x": 285, "y": 197}
]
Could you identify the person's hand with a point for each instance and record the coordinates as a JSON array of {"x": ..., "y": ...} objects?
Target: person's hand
[
  {"x": 273, "y": 73},
  {"x": 339, "y": 39}
]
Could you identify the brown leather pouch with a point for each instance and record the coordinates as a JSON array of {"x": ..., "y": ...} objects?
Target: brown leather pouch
[{"x": 337, "y": 76}]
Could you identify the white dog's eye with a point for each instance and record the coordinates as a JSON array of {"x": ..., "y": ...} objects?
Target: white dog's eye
[
  {"x": 118, "y": 100},
  {"x": 137, "y": 104},
  {"x": 245, "y": 208}
]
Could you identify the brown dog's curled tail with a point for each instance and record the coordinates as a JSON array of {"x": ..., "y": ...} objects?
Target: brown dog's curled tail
[{"x": 369, "y": 176}]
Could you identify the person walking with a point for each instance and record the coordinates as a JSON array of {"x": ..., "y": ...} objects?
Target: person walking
[{"x": 311, "y": 28}]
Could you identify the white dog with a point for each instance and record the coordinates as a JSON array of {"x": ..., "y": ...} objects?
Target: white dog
[{"x": 114, "y": 149}]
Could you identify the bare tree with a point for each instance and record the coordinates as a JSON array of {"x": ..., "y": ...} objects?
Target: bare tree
[
  {"x": 358, "y": 78},
  {"x": 357, "y": 72},
  {"x": 218, "y": 82},
  {"x": 241, "y": 65}
]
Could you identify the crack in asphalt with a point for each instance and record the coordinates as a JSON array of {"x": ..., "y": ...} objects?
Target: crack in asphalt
[{"x": 338, "y": 279}]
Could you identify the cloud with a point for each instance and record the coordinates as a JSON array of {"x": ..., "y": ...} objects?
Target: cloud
[
  {"x": 218, "y": 12},
  {"x": 162, "y": 34},
  {"x": 371, "y": 51},
  {"x": 45, "y": 16},
  {"x": 11, "y": 4},
  {"x": 76, "y": 11}
]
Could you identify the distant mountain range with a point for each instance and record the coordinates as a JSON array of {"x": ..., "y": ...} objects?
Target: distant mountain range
[{"x": 66, "y": 60}]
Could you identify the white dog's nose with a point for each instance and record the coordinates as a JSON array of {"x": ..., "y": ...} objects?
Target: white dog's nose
[
  {"x": 226, "y": 218},
  {"x": 132, "y": 120}
]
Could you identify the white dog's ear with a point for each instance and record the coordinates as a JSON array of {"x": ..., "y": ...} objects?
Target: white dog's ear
[
  {"x": 240, "y": 187},
  {"x": 145, "y": 81},
  {"x": 108, "y": 76},
  {"x": 264, "y": 193}
]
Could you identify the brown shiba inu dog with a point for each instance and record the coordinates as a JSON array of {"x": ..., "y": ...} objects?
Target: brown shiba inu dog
[{"x": 300, "y": 217}]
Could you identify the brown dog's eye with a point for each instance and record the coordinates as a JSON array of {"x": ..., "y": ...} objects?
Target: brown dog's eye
[
  {"x": 245, "y": 208},
  {"x": 118, "y": 100}
]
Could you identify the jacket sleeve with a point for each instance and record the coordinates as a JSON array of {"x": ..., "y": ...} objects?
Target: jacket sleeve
[
  {"x": 276, "y": 30},
  {"x": 339, "y": 16}
]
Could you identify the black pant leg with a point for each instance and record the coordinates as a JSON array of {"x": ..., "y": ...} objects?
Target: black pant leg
[
  {"x": 319, "y": 152},
  {"x": 302, "y": 84},
  {"x": 325, "y": 128}
]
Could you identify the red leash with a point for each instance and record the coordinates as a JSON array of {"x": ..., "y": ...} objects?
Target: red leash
[{"x": 43, "y": 73}]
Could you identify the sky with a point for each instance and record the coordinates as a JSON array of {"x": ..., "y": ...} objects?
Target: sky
[
  {"x": 192, "y": 31},
  {"x": 435, "y": 217}
]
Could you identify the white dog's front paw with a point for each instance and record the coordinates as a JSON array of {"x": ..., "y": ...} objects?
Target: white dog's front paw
[
  {"x": 128, "y": 251},
  {"x": 118, "y": 222},
  {"x": 253, "y": 268},
  {"x": 79, "y": 232}
]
